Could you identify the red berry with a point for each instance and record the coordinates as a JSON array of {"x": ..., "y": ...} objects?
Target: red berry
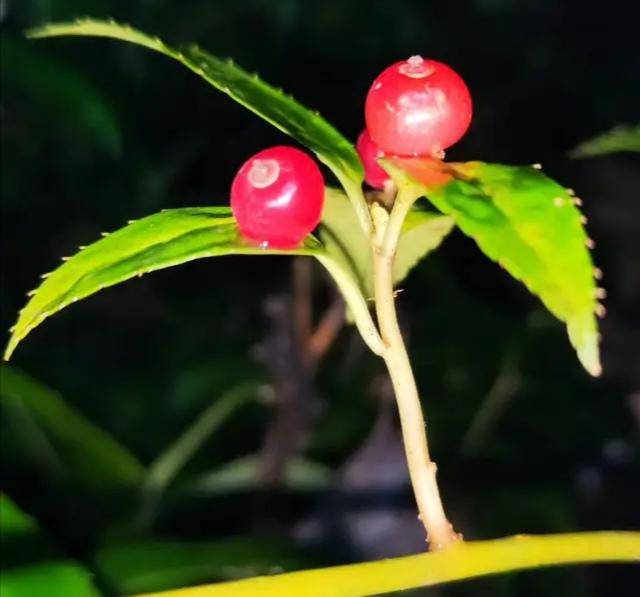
[
  {"x": 417, "y": 107},
  {"x": 369, "y": 153},
  {"x": 277, "y": 197}
]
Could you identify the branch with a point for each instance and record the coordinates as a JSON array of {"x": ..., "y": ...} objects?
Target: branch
[{"x": 462, "y": 561}]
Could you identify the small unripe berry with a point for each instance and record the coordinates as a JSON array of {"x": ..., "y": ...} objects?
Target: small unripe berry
[
  {"x": 369, "y": 154},
  {"x": 277, "y": 197},
  {"x": 417, "y": 107}
]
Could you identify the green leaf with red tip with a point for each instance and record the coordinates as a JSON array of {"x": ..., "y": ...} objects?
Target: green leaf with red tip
[
  {"x": 272, "y": 104},
  {"x": 165, "y": 239},
  {"x": 526, "y": 222}
]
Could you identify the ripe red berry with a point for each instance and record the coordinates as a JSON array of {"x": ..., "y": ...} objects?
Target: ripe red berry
[
  {"x": 277, "y": 197},
  {"x": 417, "y": 107},
  {"x": 369, "y": 153}
]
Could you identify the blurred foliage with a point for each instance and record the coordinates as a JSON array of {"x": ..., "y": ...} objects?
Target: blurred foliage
[
  {"x": 619, "y": 138},
  {"x": 30, "y": 566},
  {"x": 39, "y": 421},
  {"x": 160, "y": 564},
  {"x": 94, "y": 133}
]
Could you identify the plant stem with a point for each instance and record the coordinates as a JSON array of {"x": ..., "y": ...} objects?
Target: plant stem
[
  {"x": 422, "y": 469},
  {"x": 464, "y": 562}
]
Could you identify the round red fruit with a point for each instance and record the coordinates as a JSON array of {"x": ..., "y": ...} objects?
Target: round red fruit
[
  {"x": 369, "y": 154},
  {"x": 277, "y": 197},
  {"x": 417, "y": 107}
]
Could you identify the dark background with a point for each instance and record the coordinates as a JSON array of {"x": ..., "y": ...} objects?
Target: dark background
[{"x": 95, "y": 132}]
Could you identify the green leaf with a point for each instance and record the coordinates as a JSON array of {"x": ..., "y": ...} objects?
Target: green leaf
[
  {"x": 460, "y": 562},
  {"x": 101, "y": 463},
  {"x": 272, "y": 104},
  {"x": 620, "y": 138},
  {"x": 166, "y": 467},
  {"x": 169, "y": 463},
  {"x": 13, "y": 521},
  {"x": 343, "y": 238},
  {"x": 527, "y": 223},
  {"x": 242, "y": 474},
  {"x": 29, "y": 564},
  {"x": 423, "y": 231},
  {"x": 165, "y": 239},
  {"x": 162, "y": 564}
]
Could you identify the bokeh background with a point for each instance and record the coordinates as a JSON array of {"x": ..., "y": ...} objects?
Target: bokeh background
[{"x": 305, "y": 466}]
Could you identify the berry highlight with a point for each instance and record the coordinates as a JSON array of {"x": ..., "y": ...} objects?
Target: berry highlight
[
  {"x": 277, "y": 197},
  {"x": 418, "y": 107}
]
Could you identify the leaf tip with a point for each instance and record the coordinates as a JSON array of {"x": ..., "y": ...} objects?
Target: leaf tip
[
  {"x": 587, "y": 344},
  {"x": 589, "y": 356},
  {"x": 8, "y": 351}
]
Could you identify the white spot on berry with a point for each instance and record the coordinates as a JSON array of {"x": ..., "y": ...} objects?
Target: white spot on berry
[
  {"x": 264, "y": 244},
  {"x": 263, "y": 173},
  {"x": 416, "y": 68},
  {"x": 600, "y": 311},
  {"x": 583, "y": 219},
  {"x": 537, "y": 166},
  {"x": 558, "y": 201},
  {"x": 597, "y": 273},
  {"x": 601, "y": 293},
  {"x": 577, "y": 201},
  {"x": 590, "y": 243},
  {"x": 377, "y": 86}
]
